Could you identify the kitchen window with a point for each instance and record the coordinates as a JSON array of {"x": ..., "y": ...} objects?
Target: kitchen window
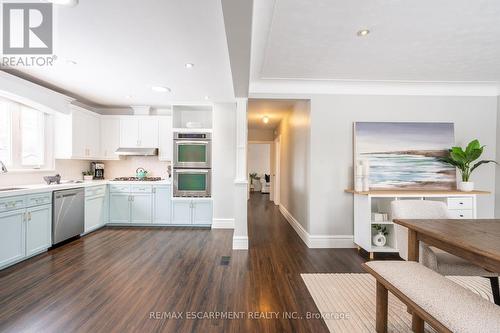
[{"x": 23, "y": 139}]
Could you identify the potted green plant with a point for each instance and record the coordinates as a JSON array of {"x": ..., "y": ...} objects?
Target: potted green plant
[
  {"x": 463, "y": 160},
  {"x": 87, "y": 175},
  {"x": 380, "y": 238}
]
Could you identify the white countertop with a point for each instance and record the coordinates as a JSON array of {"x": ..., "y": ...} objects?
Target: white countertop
[{"x": 40, "y": 188}]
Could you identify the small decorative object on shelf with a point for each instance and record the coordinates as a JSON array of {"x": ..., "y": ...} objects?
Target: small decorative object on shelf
[
  {"x": 358, "y": 177},
  {"x": 362, "y": 176},
  {"x": 380, "y": 238},
  {"x": 87, "y": 175},
  {"x": 380, "y": 217},
  {"x": 366, "y": 174},
  {"x": 462, "y": 159}
]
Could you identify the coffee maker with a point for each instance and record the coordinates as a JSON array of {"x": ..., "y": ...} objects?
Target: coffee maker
[{"x": 97, "y": 170}]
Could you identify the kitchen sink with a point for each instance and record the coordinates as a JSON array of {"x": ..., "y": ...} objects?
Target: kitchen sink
[{"x": 11, "y": 189}]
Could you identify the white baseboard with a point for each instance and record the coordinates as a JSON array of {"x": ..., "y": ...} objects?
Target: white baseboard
[
  {"x": 223, "y": 224},
  {"x": 240, "y": 243},
  {"x": 318, "y": 241}
]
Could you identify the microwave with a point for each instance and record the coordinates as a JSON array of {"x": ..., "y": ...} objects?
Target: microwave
[
  {"x": 192, "y": 182},
  {"x": 192, "y": 150}
]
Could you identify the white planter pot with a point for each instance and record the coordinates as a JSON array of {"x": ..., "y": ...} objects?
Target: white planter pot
[
  {"x": 87, "y": 178},
  {"x": 379, "y": 239},
  {"x": 466, "y": 186}
]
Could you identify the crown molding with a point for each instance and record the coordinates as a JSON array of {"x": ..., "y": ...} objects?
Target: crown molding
[{"x": 343, "y": 87}]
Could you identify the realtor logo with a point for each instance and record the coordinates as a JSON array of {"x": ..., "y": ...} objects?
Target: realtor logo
[{"x": 27, "y": 28}]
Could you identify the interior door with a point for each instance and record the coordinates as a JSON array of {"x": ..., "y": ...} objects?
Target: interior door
[{"x": 38, "y": 229}]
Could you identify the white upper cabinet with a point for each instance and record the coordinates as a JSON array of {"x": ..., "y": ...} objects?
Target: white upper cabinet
[
  {"x": 110, "y": 137},
  {"x": 148, "y": 132},
  {"x": 77, "y": 135},
  {"x": 129, "y": 132},
  {"x": 165, "y": 138},
  {"x": 139, "y": 132}
]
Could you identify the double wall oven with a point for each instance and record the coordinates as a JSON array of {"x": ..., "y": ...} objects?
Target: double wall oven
[{"x": 192, "y": 164}]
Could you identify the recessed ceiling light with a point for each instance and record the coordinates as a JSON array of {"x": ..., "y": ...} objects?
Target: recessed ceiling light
[
  {"x": 265, "y": 119},
  {"x": 207, "y": 97},
  {"x": 160, "y": 89},
  {"x": 189, "y": 65},
  {"x": 363, "y": 33}
]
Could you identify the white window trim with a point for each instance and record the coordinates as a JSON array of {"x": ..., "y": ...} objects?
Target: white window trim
[{"x": 48, "y": 145}]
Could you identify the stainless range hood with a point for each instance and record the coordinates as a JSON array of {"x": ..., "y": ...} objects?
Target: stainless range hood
[{"x": 137, "y": 151}]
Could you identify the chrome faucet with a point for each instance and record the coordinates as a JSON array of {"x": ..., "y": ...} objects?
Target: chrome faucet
[{"x": 3, "y": 168}]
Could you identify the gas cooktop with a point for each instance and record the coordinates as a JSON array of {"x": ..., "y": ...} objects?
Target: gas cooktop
[{"x": 137, "y": 179}]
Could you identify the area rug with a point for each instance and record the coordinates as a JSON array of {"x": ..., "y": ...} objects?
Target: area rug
[{"x": 346, "y": 302}]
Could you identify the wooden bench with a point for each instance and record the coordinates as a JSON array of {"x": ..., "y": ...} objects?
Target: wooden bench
[{"x": 432, "y": 298}]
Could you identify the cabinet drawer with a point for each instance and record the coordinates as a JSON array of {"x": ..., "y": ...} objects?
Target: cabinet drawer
[
  {"x": 459, "y": 203},
  {"x": 38, "y": 199},
  {"x": 141, "y": 188},
  {"x": 11, "y": 203},
  {"x": 119, "y": 188},
  {"x": 461, "y": 214},
  {"x": 95, "y": 190}
]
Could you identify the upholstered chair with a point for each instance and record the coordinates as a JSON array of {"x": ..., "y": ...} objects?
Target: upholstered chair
[{"x": 434, "y": 258}]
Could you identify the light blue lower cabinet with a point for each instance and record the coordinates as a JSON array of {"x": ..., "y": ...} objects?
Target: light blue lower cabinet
[
  {"x": 38, "y": 229},
  {"x": 202, "y": 212},
  {"x": 162, "y": 201},
  {"x": 94, "y": 212},
  {"x": 192, "y": 212},
  {"x": 119, "y": 208},
  {"x": 182, "y": 212},
  {"x": 141, "y": 208},
  {"x": 25, "y": 227},
  {"x": 143, "y": 204},
  {"x": 12, "y": 237}
]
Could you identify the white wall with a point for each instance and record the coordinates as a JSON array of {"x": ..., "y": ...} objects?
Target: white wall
[
  {"x": 497, "y": 167},
  {"x": 223, "y": 160},
  {"x": 126, "y": 167},
  {"x": 68, "y": 169},
  {"x": 259, "y": 158},
  {"x": 332, "y": 116},
  {"x": 294, "y": 132},
  {"x": 257, "y": 134}
]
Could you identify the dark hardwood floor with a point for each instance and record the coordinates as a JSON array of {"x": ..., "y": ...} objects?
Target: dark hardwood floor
[{"x": 113, "y": 279}]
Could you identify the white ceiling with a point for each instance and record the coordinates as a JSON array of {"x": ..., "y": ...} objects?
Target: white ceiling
[
  {"x": 123, "y": 47},
  {"x": 274, "y": 109},
  {"x": 425, "y": 40}
]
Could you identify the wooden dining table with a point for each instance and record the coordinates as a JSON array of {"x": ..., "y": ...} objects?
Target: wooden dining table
[{"x": 477, "y": 240}]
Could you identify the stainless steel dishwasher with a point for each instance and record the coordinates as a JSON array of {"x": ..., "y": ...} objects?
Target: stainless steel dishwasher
[{"x": 68, "y": 214}]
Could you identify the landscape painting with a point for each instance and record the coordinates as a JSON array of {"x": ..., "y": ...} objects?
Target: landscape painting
[{"x": 405, "y": 155}]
